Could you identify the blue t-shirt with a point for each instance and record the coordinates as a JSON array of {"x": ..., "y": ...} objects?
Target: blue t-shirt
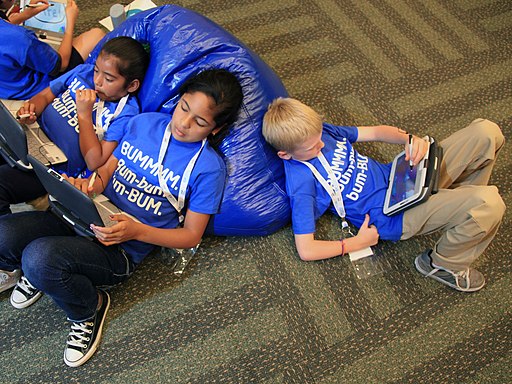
[
  {"x": 25, "y": 62},
  {"x": 362, "y": 180},
  {"x": 134, "y": 186},
  {"x": 60, "y": 121}
]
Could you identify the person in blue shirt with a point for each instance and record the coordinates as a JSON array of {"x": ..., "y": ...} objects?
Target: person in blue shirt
[
  {"x": 28, "y": 65},
  {"x": 85, "y": 112},
  {"x": 165, "y": 177},
  {"x": 466, "y": 210}
]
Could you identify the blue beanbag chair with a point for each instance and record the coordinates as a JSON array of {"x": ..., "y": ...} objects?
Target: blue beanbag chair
[{"x": 183, "y": 42}]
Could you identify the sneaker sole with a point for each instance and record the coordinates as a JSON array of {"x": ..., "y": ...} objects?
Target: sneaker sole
[
  {"x": 94, "y": 346},
  {"x": 442, "y": 281},
  {"x": 26, "y": 303}
]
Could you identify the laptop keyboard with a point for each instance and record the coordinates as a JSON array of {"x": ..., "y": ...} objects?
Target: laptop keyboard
[{"x": 42, "y": 148}]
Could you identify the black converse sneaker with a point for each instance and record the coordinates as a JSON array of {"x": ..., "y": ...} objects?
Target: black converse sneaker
[
  {"x": 85, "y": 336},
  {"x": 24, "y": 294}
]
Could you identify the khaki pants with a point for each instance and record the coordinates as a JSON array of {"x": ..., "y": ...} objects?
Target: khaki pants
[{"x": 466, "y": 209}]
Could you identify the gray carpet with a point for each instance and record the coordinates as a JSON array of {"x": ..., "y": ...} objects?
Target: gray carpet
[{"x": 247, "y": 310}]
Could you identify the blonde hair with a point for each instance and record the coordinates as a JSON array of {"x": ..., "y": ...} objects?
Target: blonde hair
[{"x": 288, "y": 123}]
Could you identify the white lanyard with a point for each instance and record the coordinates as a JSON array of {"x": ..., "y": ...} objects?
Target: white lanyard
[
  {"x": 100, "y": 130},
  {"x": 333, "y": 189},
  {"x": 180, "y": 203},
  {"x": 8, "y": 13}
]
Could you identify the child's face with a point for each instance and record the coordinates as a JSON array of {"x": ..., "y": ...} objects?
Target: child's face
[
  {"x": 194, "y": 117},
  {"x": 309, "y": 149},
  {"x": 108, "y": 82}
]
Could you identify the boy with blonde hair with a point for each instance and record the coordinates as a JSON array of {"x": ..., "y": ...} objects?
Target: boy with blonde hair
[{"x": 324, "y": 171}]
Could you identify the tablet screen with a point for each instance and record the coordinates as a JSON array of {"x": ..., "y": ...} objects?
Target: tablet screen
[
  {"x": 52, "y": 19},
  {"x": 403, "y": 185}
]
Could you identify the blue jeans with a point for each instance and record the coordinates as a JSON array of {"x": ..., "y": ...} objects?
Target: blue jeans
[{"x": 63, "y": 265}]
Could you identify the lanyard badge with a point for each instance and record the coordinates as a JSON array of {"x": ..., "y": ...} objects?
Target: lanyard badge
[
  {"x": 179, "y": 203},
  {"x": 332, "y": 188},
  {"x": 334, "y": 191},
  {"x": 100, "y": 129}
]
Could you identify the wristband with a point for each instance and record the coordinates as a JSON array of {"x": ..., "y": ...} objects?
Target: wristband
[
  {"x": 342, "y": 246},
  {"x": 99, "y": 177}
]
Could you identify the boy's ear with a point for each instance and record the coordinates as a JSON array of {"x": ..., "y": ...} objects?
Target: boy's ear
[
  {"x": 133, "y": 86},
  {"x": 284, "y": 155}
]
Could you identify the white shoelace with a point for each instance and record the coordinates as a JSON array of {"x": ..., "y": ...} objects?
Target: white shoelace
[
  {"x": 79, "y": 334},
  {"x": 462, "y": 274},
  {"x": 25, "y": 285}
]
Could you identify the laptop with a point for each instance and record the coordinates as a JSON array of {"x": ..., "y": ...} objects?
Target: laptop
[
  {"x": 409, "y": 187},
  {"x": 49, "y": 25},
  {"x": 71, "y": 204},
  {"x": 18, "y": 140}
]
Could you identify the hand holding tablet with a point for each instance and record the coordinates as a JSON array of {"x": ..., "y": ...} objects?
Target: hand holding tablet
[{"x": 408, "y": 185}]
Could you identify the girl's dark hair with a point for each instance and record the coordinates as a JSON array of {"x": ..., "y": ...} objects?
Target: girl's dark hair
[
  {"x": 133, "y": 58},
  {"x": 224, "y": 88}
]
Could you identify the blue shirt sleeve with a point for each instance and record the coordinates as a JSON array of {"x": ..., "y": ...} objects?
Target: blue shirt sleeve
[
  {"x": 340, "y": 131},
  {"x": 40, "y": 56},
  {"x": 307, "y": 200},
  {"x": 25, "y": 63},
  {"x": 206, "y": 193},
  {"x": 119, "y": 125},
  {"x": 61, "y": 83}
]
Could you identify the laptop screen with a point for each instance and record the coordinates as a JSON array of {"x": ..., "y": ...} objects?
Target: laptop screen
[{"x": 52, "y": 19}]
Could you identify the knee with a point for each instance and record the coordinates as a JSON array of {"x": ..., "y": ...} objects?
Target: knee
[
  {"x": 497, "y": 204},
  {"x": 488, "y": 130},
  {"x": 491, "y": 204},
  {"x": 9, "y": 239},
  {"x": 95, "y": 35},
  {"x": 40, "y": 261}
]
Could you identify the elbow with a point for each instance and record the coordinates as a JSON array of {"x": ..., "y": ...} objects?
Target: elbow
[
  {"x": 64, "y": 63},
  {"x": 305, "y": 245},
  {"x": 191, "y": 242},
  {"x": 306, "y": 255},
  {"x": 188, "y": 245},
  {"x": 92, "y": 163},
  {"x": 92, "y": 166}
]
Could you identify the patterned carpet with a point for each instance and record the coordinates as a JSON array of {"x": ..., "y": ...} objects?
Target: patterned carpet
[{"x": 247, "y": 310}]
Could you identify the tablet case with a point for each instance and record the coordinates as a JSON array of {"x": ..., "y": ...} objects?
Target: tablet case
[
  {"x": 431, "y": 179},
  {"x": 68, "y": 202}
]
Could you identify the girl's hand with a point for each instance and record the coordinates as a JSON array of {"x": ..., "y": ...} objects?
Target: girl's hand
[
  {"x": 79, "y": 183},
  {"x": 34, "y": 2},
  {"x": 32, "y": 11},
  {"x": 419, "y": 149},
  {"x": 368, "y": 234},
  {"x": 124, "y": 230},
  {"x": 85, "y": 99},
  {"x": 83, "y": 185},
  {"x": 27, "y": 113},
  {"x": 71, "y": 11}
]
